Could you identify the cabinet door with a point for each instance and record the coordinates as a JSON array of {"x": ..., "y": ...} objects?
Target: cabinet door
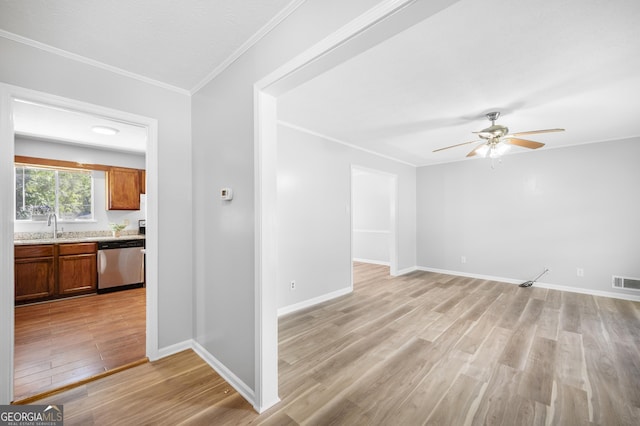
[
  {"x": 123, "y": 189},
  {"x": 34, "y": 278},
  {"x": 143, "y": 181},
  {"x": 77, "y": 274}
]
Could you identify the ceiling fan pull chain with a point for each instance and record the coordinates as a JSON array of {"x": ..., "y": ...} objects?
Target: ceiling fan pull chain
[{"x": 493, "y": 162}]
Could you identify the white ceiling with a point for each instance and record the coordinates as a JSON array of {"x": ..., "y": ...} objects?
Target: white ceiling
[
  {"x": 571, "y": 64},
  {"x": 72, "y": 127},
  {"x": 175, "y": 42},
  {"x": 179, "y": 44},
  {"x": 543, "y": 64}
]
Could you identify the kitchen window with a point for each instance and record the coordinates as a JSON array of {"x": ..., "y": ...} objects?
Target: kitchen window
[{"x": 41, "y": 191}]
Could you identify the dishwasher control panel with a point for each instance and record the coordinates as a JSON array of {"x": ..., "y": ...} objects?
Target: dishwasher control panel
[{"x": 106, "y": 245}]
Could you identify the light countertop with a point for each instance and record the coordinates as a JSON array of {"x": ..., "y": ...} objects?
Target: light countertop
[{"x": 63, "y": 240}]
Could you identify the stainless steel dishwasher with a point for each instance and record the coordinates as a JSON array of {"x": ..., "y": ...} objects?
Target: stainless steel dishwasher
[{"x": 120, "y": 264}]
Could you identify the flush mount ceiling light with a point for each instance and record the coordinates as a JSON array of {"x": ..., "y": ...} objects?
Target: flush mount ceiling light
[{"x": 104, "y": 130}]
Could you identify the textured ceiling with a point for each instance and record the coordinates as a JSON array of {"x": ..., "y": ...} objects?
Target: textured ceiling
[
  {"x": 571, "y": 64},
  {"x": 175, "y": 42}
]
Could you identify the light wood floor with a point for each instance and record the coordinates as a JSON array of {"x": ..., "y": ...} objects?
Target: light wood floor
[
  {"x": 62, "y": 342},
  {"x": 419, "y": 349}
]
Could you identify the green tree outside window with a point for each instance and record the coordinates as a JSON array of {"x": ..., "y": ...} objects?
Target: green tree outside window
[{"x": 41, "y": 191}]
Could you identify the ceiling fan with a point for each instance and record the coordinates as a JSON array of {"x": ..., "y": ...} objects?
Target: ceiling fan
[{"x": 496, "y": 139}]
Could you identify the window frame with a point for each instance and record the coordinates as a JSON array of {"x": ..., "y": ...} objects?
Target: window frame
[{"x": 56, "y": 169}]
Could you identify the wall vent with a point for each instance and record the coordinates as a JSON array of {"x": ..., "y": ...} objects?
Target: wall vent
[{"x": 626, "y": 283}]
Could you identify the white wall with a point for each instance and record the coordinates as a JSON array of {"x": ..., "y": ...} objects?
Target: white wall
[
  {"x": 562, "y": 208},
  {"x": 371, "y": 205},
  {"x": 102, "y": 216},
  {"x": 223, "y": 155},
  {"x": 35, "y": 69},
  {"x": 314, "y": 217}
]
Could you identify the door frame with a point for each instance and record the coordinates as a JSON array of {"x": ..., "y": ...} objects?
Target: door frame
[
  {"x": 7, "y": 157},
  {"x": 378, "y": 23},
  {"x": 393, "y": 217}
]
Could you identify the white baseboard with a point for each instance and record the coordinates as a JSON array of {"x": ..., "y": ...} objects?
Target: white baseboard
[
  {"x": 266, "y": 406},
  {"x": 372, "y": 261},
  {"x": 240, "y": 386},
  {"x": 383, "y": 263},
  {"x": 549, "y": 286},
  {"x": 175, "y": 348},
  {"x": 310, "y": 302},
  {"x": 469, "y": 275},
  {"x": 405, "y": 271},
  {"x": 233, "y": 380},
  {"x": 316, "y": 300},
  {"x": 631, "y": 297}
]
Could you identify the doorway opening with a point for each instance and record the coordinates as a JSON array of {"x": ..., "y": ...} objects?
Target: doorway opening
[
  {"x": 387, "y": 18},
  {"x": 373, "y": 218},
  {"x": 57, "y": 368}
]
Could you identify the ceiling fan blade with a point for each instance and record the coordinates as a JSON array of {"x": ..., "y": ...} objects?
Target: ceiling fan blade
[
  {"x": 453, "y": 146},
  {"x": 534, "y": 132},
  {"x": 474, "y": 153},
  {"x": 524, "y": 143}
]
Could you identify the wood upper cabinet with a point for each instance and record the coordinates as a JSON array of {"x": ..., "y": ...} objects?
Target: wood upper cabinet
[
  {"x": 123, "y": 188},
  {"x": 34, "y": 272},
  {"x": 77, "y": 270},
  {"x": 143, "y": 181}
]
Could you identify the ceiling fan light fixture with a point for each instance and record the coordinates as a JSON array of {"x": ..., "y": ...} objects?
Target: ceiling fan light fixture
[
  {"x": 492, "y": 150},
  {"x": 499, "y": 150},
  {"x": 483, "y": 151}
]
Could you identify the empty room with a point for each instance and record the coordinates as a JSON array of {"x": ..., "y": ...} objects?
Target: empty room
[{"x": 372, "y": 212}]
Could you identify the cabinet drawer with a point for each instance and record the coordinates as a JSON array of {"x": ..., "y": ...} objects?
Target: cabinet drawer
[
  {"x": 77, "y": 248},
  {"x": 24, "y": 252}
]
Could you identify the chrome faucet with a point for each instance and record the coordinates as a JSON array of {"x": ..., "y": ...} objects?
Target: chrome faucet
[{"x": 55, "y": 224}]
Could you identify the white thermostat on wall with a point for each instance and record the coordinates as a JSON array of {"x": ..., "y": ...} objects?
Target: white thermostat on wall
[{"x": 226, "y": 194}]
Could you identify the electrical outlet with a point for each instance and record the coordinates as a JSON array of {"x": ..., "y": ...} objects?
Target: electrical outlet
[
  {"x": 463, "y": 259},
  {"x": 580, "y": 272},
  {"x": 292, "y": 285}
]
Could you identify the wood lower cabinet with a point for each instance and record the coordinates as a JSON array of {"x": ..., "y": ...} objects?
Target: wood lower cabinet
[
  {"x": 52, "y": 271},
  {"x": 34, "y": 272},
  {"x": 77, "y": 271}
]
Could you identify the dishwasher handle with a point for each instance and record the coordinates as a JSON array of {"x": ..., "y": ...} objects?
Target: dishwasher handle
[{"x": 102, "y": 262}]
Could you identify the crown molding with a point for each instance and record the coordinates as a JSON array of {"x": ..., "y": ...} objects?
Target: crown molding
[
  {"x": 79, "y": 58},
  {"x": 281, "y": 16},
  {"x": 341, "y": 142}
]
